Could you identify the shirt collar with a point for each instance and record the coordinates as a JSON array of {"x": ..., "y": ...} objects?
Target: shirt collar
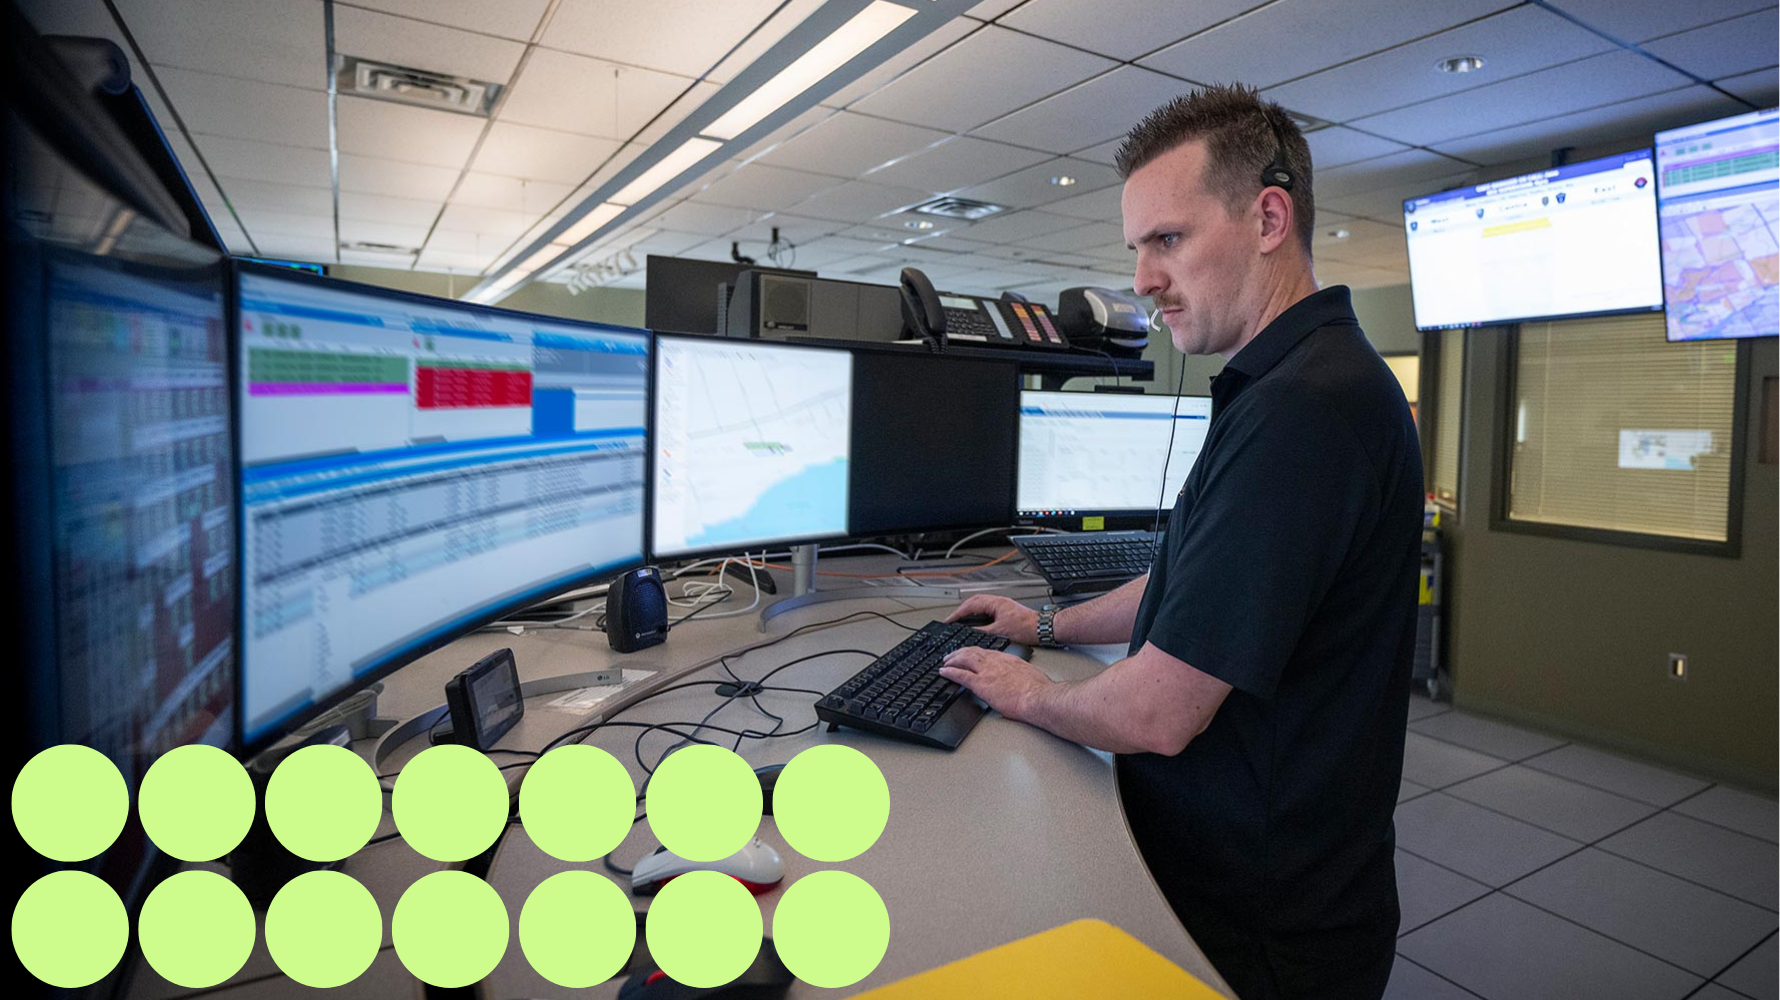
[{"x": 1276, "y": 340}]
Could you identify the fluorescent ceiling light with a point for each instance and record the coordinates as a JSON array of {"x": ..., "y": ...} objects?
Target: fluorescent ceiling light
[
  {"x": 589, "y": 224},
  {"x": 670, "y": 166},
  {"x": 826, "y": 56},
  {"x": 536, "y": 261}
]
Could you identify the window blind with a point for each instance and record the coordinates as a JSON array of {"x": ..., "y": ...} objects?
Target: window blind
[{"x": 1449, "y": 397}]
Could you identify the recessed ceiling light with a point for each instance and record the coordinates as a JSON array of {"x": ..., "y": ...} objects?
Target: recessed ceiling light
[
  {"x": 1063, "y": 180},
  {"x": 919, "y": 224},
  {"x": 1338, "y": 234},
  {"x": 1460, "y": 64}
]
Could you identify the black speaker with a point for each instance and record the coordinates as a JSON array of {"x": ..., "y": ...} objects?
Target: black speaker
[{"x": 636, "y": 610}]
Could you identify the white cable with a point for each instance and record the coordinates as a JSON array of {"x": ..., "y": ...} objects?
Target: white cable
[
  {"x": 995, "y": 531},
  {"x": 753, "y": 578}
]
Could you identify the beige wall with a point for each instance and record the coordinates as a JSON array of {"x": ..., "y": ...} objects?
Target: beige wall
[{"x": 621, "y": 306}]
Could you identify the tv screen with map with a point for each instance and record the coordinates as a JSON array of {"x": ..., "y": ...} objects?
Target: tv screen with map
[{"x": 1718, "y": 205}]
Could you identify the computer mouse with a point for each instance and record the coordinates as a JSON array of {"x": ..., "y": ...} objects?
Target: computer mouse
[
  {"x": 756, "y": 866},
  {"x": 766, "y": 979},
  {"x": 977, "y": 620},
  {"x": 769, "y": 778}
]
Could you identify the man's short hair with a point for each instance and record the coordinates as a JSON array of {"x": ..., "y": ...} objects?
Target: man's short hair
[{"x": 1239, "y": 143}]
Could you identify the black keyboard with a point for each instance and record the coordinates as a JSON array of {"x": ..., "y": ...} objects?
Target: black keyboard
[
  {"x": 902, "y": 695},
  {"x": 1099, "y": 560}
]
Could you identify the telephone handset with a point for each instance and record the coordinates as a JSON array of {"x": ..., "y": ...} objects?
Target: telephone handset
[{"x": 922, "y": 314}]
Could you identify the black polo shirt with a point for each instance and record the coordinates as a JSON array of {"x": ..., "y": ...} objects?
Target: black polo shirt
[{"x": 1289, "y": 571}]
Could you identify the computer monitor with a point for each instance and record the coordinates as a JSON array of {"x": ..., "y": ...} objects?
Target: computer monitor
[
  {"x": 1577, "y": 240},
  {"x": 933, "y": 442},
  {"x": 412, "y": 467},
  {"x": 1086, "y": 456},
  {"x": 751, "y": 444},
  {"x": 1718, "y": 206}
]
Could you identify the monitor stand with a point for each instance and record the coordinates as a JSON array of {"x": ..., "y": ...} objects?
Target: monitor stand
[
  {"x": 804, "y": 592},
  {"x": 358, "y": 714}
]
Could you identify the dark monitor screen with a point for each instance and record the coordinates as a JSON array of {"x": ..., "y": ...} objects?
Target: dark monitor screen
[
  {"x": 933, "y": 442},
  {"x": 682, "y": 295}
]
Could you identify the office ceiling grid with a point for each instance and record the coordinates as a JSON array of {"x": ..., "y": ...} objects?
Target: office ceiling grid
[{"x": 991, "y": 106}]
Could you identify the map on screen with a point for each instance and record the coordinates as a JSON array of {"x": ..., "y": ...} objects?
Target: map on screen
[{"x": 1718, "y": 205}]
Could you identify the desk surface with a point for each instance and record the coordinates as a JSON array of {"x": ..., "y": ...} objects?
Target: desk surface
[{"x": 1014, "y": 833}]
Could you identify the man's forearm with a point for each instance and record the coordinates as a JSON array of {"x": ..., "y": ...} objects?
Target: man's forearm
[
  {"x": 1107, "y": 618},
  {"x": 1086, "y": 712}
]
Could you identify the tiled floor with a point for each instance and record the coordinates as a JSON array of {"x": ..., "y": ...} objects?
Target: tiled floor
[{"x": 1532, "y": 868}]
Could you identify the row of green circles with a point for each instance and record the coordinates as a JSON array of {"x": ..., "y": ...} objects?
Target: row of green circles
[{"x": 450, "y": 929}]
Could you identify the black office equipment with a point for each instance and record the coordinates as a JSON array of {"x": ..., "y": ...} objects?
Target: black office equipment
[
  {"x": 1104, "y": 319},
  {"x": 780, "y": 305},
  {"x": 484, "y": 701},
  {"x": 902, "y": 695},
  {"x": 933, "y": 442},
  {"x": 942, "y": 318},
  {"x": 1091, "y": 561},
  {"x": 682, "y": 295},
  {"x": 636, "y": 611}
]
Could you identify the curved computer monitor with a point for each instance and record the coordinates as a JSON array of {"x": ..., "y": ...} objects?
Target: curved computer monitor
[
  {"x": 412, "y": 468},
  {"x": 1092, "y": 460}
]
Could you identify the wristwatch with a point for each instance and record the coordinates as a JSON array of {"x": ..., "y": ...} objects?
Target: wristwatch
[{"x": 1047, "y": 635}]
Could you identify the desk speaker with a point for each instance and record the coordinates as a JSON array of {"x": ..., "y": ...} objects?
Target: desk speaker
[{"x": 636, "y": 610}]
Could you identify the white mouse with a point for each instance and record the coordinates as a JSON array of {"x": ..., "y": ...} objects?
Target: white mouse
[{"x": 756, "y": 866}]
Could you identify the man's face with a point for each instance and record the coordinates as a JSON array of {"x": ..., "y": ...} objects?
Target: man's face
[{"x": 1194, "y": 257}]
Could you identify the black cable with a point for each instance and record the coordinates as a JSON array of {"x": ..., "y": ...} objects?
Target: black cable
[
  {"x": 688, "y": 616},
  {"x": 812, "y": 656},
  {"x": 1168, "y": 456}
]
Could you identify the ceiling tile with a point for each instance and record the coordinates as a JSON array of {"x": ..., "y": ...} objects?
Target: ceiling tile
[
  {"x": 386, "y": 261},
  {"x": 761, "y": 187},
  {"x": 926, "y": 47},
  {"x": 373, "y": 175},
  {"x": 1123, "y": 29},
  {"x": 577, "y": 94},
  {"x": 955, "y": 163},
  {"x": 271, "y": 41},
  {"x": 1514, "y": 42},
  {"x": 246, "y": 109},
  {"x": 1604, "y": 79},
  {"x": 1106, "y": 152},
  {"x": 1360, "y": 233},
  {"x": 663, "y": 244},
  {"x": 1336, "y": 145},
  {"x": 402, "y": 132},
  {"x": 789, "y": 15},
  {"x": 848, "y": 145},
  {"x": 1740, "y": 45},
  {"x": 468, "y": 242},
  {"x": 1397, "y": 170},
  {"x": 1080, "y": 239},
  {"x": 254, "y": 194},
  {"x": 858, "y": 201},
  {"x": 386, "y": 209},
  {"x": 406, "y": 42},
  {"x": 286, "y": 247},
  {"x": 1033, "y": 186},
  {"x": 1637, "y": 22},
  {"x": 1625, "y": 126},
  {"x": 886, "y": 231},
  {"x": 708, "y": 220},
  {"x": 690, "y": 99},
  {"x": 986, "y": 75},
  {"x": 821, "y": 253},
  {"x": 656, "y": 34},
  {"x": 1248, "y": 49},
  {"x": 515, "y": 19},
  {"x": 1758, "y": 88},
  {"x": 533, "y": 198},
  {"x": 989, "y": 10},
  {"x": 541, "y": 154},
  {"x": 262, "y": 223},
  {"x": 445, "y": 260},
  {"x": 493, "y": 224},
  {"x": 1386, "y": 204},
  {"x": 1093, "y": 112},
  {"x": 264, "y": 161},
  {"x": 1014, "y": 226},
  {"x": 794, "y": 229}
]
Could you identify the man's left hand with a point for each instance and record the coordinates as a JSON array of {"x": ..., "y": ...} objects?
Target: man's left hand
[{"x": 1006, "y": 682}]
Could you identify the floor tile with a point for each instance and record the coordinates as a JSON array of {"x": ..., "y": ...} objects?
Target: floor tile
[
  {"x": 1696, "y": 928},
  {"x": 1426, "y": 891},
  {"x": 1616, "y": 774},
  {"x": 1473, "y": 841},
  {"x": 1410, "y": 981},
  {"x": 1498, "y": 739},
  {"x": 1409, "y": 790},
  {"x": 1755, "y": 815},
  {"x": 1502, "y": 949},
  {"x": 1435, "y": 764},
  {"x": 1557, "y": 804},
  {"x": 1756, "y": 975},
  {"x": 1421, "y": 706},
  {"x": 1710, "y": 855}
]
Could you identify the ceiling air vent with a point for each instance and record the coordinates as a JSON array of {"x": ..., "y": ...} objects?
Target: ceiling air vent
[
  {"x": 958, "y": 208},
  {"x": 407, "y": 85},
  {"x": 387, "y": 249}
]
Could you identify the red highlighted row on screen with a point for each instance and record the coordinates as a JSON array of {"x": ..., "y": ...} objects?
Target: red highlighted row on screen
[{"x": 434, "y": 388}]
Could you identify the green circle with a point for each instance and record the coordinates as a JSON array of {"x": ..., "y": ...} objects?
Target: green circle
[
  {"x": 70, "y": 929},
  {"x": 831, "y": 803},
  {"x": 450, "y": 928},
  {"x": 704, "y": 803},
  {"x": 323, "y": 802},
  {"x": 450, "y": 802},
  {"x": 196, "y": 929},
  {"x": 831, "y": 928},
  {"x": 69, "y": 802},
  {"x": 704, "y": 929},
  {"x": 577, "y": 929},
  {"x": 323, "y": 929},
  {"x": 577, "y": 803},
  {"x": 196, "y": 803}
]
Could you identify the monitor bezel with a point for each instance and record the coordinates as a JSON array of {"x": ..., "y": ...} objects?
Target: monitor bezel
[
  {"x": 657, "y": 556},
  {"x": 282, "y": 728},
  {"x": 1112, "y": 518},
  {"x": 1650, "y": 154}
]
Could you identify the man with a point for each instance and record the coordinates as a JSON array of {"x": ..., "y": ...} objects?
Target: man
[{"x": 1259, "y": 716}]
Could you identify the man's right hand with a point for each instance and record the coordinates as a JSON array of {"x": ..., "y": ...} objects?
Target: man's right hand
[{"x": 1011, "y": 618}]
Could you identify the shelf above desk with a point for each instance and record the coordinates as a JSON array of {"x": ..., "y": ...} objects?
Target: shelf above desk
[{"x": 1053, "y": 366}]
